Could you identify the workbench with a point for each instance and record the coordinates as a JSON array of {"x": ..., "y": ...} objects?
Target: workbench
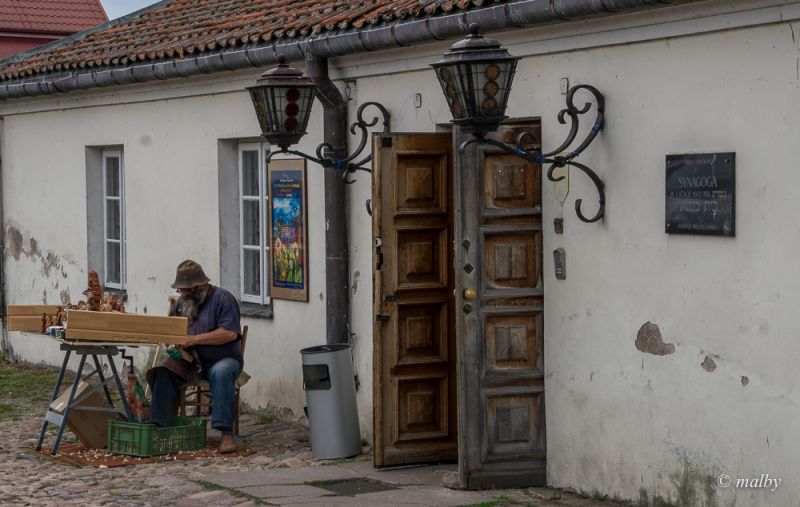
[
  {"x": 85, "y": 350},
  {"x": 93, "y": 334}
]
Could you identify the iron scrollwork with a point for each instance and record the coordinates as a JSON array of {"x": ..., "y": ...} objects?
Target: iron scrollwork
[
  {"x": 349, "y": 164},
  {"x": 557, "y": 157}
]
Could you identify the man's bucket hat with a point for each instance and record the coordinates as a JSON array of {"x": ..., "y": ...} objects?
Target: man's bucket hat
[{"x": 189, "y": 274}]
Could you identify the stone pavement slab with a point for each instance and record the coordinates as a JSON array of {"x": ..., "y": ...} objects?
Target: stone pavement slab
[
  {"x": 284, "y": 476},
  {"x": 276, "y": 491},
  {"x": 413, "y": 486}
]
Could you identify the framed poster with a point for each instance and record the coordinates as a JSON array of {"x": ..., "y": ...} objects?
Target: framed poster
[{"x": 288, "y": 222}]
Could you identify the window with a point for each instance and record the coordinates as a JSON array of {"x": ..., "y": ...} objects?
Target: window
[
  {"x": 113, "y": 220},
  {"x": 253, "y": 230}
]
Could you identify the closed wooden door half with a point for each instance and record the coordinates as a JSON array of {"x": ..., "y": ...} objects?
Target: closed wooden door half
[{"x": 500, "y": 320}]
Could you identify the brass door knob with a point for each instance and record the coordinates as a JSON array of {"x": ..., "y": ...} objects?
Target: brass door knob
[{"x": 470, "y": 294}]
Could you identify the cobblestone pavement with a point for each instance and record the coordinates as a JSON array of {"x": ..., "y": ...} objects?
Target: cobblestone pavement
[
  {"x": 27, "y": 478},
  {"x": 30, "y": 478}
]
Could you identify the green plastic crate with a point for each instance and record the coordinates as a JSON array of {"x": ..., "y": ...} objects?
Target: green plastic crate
[{"x": 146, "y": 439}]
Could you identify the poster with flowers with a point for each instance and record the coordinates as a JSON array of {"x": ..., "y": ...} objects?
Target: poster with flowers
[{"x": 288, "y": 229}]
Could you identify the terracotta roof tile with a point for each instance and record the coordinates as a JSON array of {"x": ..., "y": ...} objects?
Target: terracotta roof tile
[{"x": 188, "y": 27}]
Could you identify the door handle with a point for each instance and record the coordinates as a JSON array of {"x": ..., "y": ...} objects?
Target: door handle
[{"x": 382, "y": 317}]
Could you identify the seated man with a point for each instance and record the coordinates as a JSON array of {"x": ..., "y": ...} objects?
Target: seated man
[{"x": 214, "y": 342}]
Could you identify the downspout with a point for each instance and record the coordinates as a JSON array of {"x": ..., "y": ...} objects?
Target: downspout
[{"x": 337, "y": 297}]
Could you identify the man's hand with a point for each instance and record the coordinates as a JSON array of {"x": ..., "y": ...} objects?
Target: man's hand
[{"x": 219, "y": 336}]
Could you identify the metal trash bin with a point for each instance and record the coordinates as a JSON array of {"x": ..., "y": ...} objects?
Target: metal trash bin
[{"x": 331, "y": 401}]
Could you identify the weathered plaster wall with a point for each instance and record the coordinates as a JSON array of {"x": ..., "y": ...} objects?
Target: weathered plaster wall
[
  {"x": 658, "y": 412},
  {"x": 663, "y": 423},
  {"x": 172, "y": 214}
]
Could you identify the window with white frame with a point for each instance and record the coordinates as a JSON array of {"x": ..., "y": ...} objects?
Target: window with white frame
[
  {"x": 113, "y": 219},
  {"x": 254, "y": 230}
]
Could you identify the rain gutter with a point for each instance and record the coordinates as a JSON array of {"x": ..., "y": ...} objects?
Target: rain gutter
[{"x": 514, "y": 14}]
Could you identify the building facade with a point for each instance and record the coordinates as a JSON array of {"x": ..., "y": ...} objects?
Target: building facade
[{"x": 666, "y": 358}]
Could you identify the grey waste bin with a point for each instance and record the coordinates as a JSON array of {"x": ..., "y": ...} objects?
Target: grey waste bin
[{"x": 331, "y": 401}]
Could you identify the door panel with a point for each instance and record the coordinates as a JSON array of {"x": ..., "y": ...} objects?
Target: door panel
[
  {"x": 500, "y": 332},
  {"x": 414, "y": 339}
]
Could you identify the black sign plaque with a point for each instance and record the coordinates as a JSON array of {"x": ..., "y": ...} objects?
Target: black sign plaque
[{"x": 701, "y": 194}]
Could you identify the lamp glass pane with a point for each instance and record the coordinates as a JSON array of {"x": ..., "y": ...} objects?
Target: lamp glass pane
[{"x": 477, "y": 89}]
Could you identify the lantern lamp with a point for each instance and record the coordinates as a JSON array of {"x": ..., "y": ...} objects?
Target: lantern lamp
[
  {"x": 282, "y": 98},
  {"x": 476, "y": 74}
]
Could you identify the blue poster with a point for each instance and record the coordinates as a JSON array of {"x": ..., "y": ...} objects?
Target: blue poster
[{"x": 288, "y": 243}]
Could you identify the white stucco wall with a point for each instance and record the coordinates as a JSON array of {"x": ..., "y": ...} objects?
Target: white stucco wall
[
  {"x": 620, "y": 421},
  {"x": 170, "y": 154}
]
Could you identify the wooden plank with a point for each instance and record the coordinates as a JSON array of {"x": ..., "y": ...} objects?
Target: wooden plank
[
  {"x": 32, "y": 318},
  {"x": 105, "y": 326},
  {"x": 25, "y": 323},
  {"x": 123, "y": 336},
  {"x": 31, "y": 310}
]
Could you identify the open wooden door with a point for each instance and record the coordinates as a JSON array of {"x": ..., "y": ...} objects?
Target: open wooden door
[
  {"x": 499, "y": 321},
  {"x": 414, "y": 354}
]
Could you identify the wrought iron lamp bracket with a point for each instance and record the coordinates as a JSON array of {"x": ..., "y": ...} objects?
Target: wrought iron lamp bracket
[
  {"x": 349, "y": 164},
  {"x": 560, "y": 157}
]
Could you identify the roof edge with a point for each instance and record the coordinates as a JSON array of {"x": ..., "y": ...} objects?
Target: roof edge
[{"x": 515, "y": 14}]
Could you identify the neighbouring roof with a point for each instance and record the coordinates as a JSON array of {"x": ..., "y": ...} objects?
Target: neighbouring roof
[
  {"x": 52, "y": 17},
  {"x": 13, "y": 45},
  {"x": 176, "y": 29}
]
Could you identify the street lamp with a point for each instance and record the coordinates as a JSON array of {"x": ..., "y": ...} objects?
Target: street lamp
[
  {"x": 476, "y": 75},
  {"x": 283, "y": 97}
]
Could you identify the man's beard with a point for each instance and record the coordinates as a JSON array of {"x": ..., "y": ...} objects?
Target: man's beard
[{"x": 190, "y": 306}]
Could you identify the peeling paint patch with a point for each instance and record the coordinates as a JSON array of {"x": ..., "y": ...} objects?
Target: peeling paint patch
[
  {"x": 49, "y": 262},
  {"x": 650, "y": 341},
  {"x": 745, "y": 380},
  {"x": 14, "y": 242},
  {"x": 44, "y": 296},
  {"x": 709, "y": 364},
  {"x": 321, "y": 296},
  {"x": 34, "y": 248},
  {"x": 356, "y": 276},
  {"x": 65, "y": 300}
]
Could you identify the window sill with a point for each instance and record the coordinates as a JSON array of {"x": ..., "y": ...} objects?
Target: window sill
[
  {"x": 120, "y": 293},
  {"x": 255, "y": 311}
]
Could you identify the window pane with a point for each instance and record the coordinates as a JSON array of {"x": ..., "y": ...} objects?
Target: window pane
[
  {"x": 252, "y": 272},
  {"x": 112, "y": 176},
  {"x": 113, "y": 263},
  {"x": 112, "y": 219},
  {"x": 250, "y": 223},
  {"x": 250, "y": 185}
]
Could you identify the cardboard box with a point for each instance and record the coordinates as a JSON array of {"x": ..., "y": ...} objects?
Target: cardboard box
[
  {"x": 90, "y": 426},
  {"x": 125, "y": 327}
]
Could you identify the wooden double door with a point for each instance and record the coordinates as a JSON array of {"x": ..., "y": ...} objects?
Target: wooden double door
[{"x": 458, "y": 304}]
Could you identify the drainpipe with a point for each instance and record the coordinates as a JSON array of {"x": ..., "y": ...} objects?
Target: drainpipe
[{"x": 336, "y": 254}]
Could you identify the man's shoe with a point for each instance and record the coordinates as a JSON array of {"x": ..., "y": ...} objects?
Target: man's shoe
[{"x": 228, "y": 444}]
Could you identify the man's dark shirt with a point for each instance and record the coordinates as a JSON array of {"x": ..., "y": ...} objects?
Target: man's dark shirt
[{"x": 220, "y": 309}]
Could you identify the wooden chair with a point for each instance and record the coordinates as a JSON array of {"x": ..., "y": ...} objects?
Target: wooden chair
[{"x": 197, "y": 397}]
